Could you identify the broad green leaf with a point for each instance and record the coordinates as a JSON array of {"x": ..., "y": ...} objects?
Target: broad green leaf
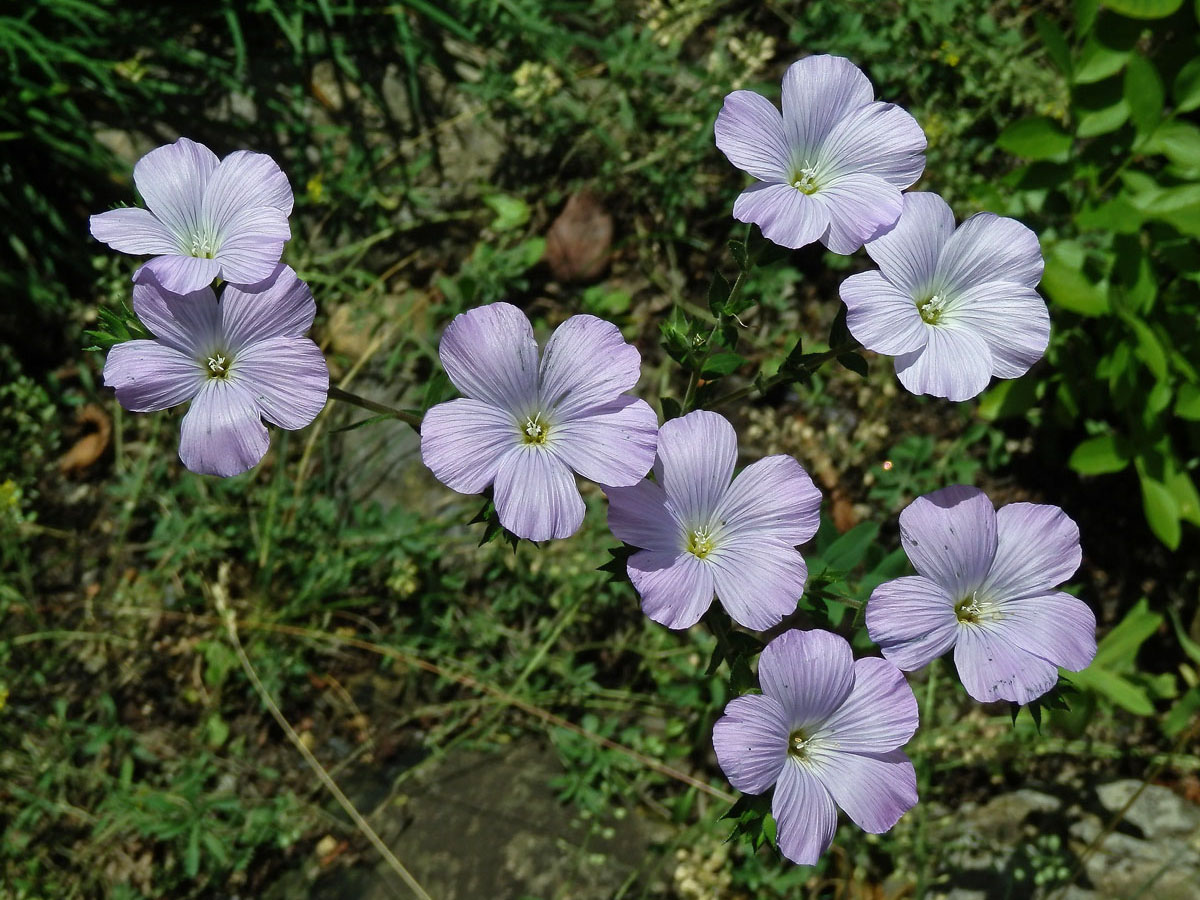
[
  {"x": 1120, "y": 691},
  {"x": 1100, "y": 455},
  {"x": 848, "y": 550},
  {"x": 511, "y": 212},
  {"x": 1120, "y": 646},
  {"x": 1186, "y": 91},
  {"x": 1161, "y": 509},
  {"x": 1068, "y": 287},
  {"x": 1103, "y": 121},
  {"x": 1098, "y": 61},
  {"x": 1149, "y": 348},
  {"x": 1180, "y": 483},
  {"x": 1037, "y": 138},
  {"x": 1085, "y": 15},
  {"x": 1118, "y": 215},
  {"x": 1055, "y": 43},
  {"x": 1190, "y": 647},
  {"x": 1187, "y": 402},
  {"x": 1182, "y": 714},
  {"x": 1144, "y": 93},
  {"x": 1178, "y": 142},
  {"x": 1008, "y": 398},
  {"x": 1144, "y": 9}
]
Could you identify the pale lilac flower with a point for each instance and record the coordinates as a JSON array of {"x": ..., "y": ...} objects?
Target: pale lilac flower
[
  {"x": 527, "y": 429},
  {"x": 826, "y": 730},
  {"x": 205, "y": 219},
  {"x": 239, "y": 361},
  {"x": 955, "y": 307},
  {"x": 986, "y": 588},
  {"x": 701, "y": 535},
  {"x": 832, "y": 166}
]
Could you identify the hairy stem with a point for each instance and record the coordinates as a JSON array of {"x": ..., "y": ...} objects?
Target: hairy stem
[{"x": 336, "y": 393}]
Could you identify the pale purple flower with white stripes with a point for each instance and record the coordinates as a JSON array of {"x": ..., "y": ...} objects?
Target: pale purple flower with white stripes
[
  {"x": 701, "y": 535},
  {"x": 827, "y": 732},
  {"x": 832, "y": 166},
  {"x": 526, "y": 429},
  {"x": 954, "y": 307},
  {"x": 240, "y": 360},
  {"x": 986, "y": 587},
  {"x": 205, "y": 219}
]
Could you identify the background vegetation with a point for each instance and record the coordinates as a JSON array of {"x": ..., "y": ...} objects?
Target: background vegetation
[{"x": 432, "y": 147}]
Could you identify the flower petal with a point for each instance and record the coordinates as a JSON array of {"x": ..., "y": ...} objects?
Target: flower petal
[
  {"x": 696, "y": 456},
  {"x": 950, "y": 537},
  {"x": 879, "y": 139},
  {"x": 639, "y": 515},
  {"x": 751, "y": 741},
  {"x": 172, "y": 179},
  {"x": 986, "y": 248},
  {"x": 908, "y": 254},
  {"x": 992, "y": 667},
  {"x": 860, "y": 208},
  {"x": 787, "y": 216},
  {"x": 250, "y": 244},
  {"x": 189, "y": 323},
  {"x": 149, "y": 376},
  {"x": 1011, "y": 319},
  {"x": 462, "y": 442},
  {"x": 676, "y": 588},
  {"x": 489, "y": 354},
  {"x": 805, "y": 816},
  {"x": 955, "y": 363},
  {"x": 179, "y": 274},
  {"x": 612, "y": 445},
  {"x": 284, "y": 306},
  {"x": 874, "y": 789},
  {"x": 586, "y": 364},
  {"x": 882, "y": 317},
  {"x": 810, "y": 673},
  {"x": 912, "y": 620},
  {"x": 1059, "y": 628},
  {"x": 535, "y": 494},
  {"x": 1037, "y": 548},
  {"x": 222, "y": 433},
  {"x": 288, "y": 378},
  {"x": 133, "y": 230},
  {"x": 879, "y": 715},
  {"x": 772, "y": 497},
  {"x": 245, "y": 180},
  {"x": 818, "y": 92},
  {"x": 749, "y": 131},
  {"x": 758, "y": 579}
]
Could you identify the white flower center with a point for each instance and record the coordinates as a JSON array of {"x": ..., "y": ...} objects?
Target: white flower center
[
  {"x": 805, "y": 180},
  {"x": 204, "y": 245},
  {"x": 974, "y": 610},
  {"x": 701, "y": 541},
  {"x": 800, "y": 744},
  {"x": 216, "y": 364},
  {"x": 931, "y": 308},
  {"x": 534, "y": 430}
]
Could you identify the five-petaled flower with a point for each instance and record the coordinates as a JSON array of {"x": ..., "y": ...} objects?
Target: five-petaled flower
[
  {"x": 955, "y": 307},
  {"x": 240, "y": 360},
  {"x": 826, "y": 730},
  {"x": 832, "y": 166},
  {"x": 986, "y": 588},
  {"x": 205, "y": 219},
  {"x": 526, "y": 429},
  {"x": 701, "y": 535}
]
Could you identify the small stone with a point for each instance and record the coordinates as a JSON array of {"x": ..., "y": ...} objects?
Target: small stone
[{"x": 1157, "y": 811}]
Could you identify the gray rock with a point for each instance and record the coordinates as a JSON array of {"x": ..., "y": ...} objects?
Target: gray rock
[
  {"x": 1126, "y": 866},
  {"x": 1158, "y": 812}
]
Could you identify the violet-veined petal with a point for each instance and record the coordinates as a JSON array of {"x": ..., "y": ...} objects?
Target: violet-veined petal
[
  {"x": 879, "y": 715},
  {"x": 992, "y": 667},
  {"x": 179, "y": 274},
  {"x": 772, "y": 496},
  {"x": 245, "y": 180},
  {"x": 987, "y": 247},
  {"x": 810, "y": 673},
  {"x": 860, "y": 208},
  {"x": 804, "y": 813},
  {"x": 912, "y": 619},
  {"x": 955, "y": 363},
  {"x": 1037, "y": 548},
  {"x": 950, "y": 537},
  {"x": 676, "y": 588},
  {"x": 749, "y": 131},
  {"x": 818, "y": 92},
  {"x": 463, "y": 440},
  {"x": 489, "y": 354},
  {"x": 873, "y": 789},
  {"x": 639, "y": 515},
  {"x": 133, "y": 230},
  {"x": 251, "y": 243},
  {"x": 188, "y": 323},
  {"x": 751, "y": 742},
  {"x": 611, "y": 444},
  {"x": 696, "y": 456},
  {"x": 1059, "y": 628},
  {"x": 787, "y": 216},
  {"x": 586, "y": 364},
  {"x": 879, "y": 139},
  {"x": 1011, "y": 319},
  {"x": 149, "y": 376},
  {"x": 282, "y": 307},
  {"x": 882, "y": 317},
  {"x": 172, "y": 180},
  {"x": 222, "y": 432},
  {"x": 908, "y": 255},
  {"x": 536, "y": 496},
  {"x": 758, "y": 579},
  {"x": 288, "y": 378}
]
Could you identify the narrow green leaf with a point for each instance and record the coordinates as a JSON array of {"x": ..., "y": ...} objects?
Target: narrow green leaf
[
  {"x": 1186, "y": 90},
  {"x": 1036, "y": 138},
  {"x": 1120, "y": 646},
  {"x": 848, "y": 550},
  {"x": 1120, "y": 691},
  {"x": 1144, "y": 94},
  {"x": 1100, "y": 455},
  {"x": 1187, "y": 402},
  {"x": 1144, "y": 9},
  {"x": 1068, "y": 287},
  {"x": 1182, "y": 714},
  {"x": 1055, "y": 43},
  {"x": 1103, "y": 121},
  {"x": 1098, "y": 61},
  {"x": 1162, "y": 511}
]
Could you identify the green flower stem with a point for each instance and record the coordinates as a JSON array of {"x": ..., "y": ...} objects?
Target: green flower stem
[
  {"x": 807, "y": 369},
  {"x": 929, "y": 723},
  {"x": 336, "y": 393}
]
